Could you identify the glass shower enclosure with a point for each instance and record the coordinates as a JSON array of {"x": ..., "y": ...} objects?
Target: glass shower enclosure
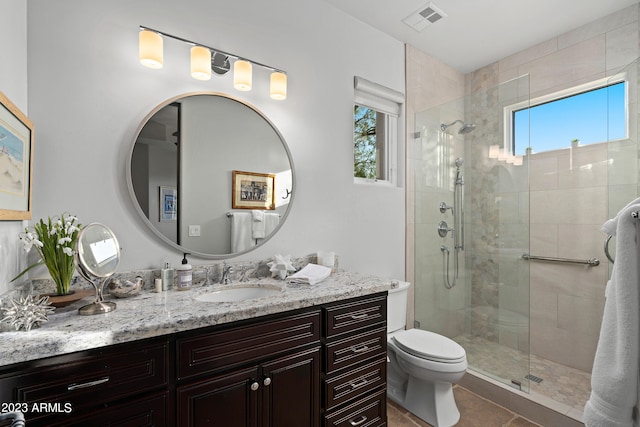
[
  {"x": 471, "y": 283},
  {"x": 474, "y": 278}
]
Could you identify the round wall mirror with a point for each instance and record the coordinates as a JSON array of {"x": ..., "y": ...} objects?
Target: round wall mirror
[
  {"x": 96, "y": 257},
  {"x": 210, "y": 175}
]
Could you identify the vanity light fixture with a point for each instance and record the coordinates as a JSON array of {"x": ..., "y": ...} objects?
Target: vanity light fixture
[
  {"x": 242, "y": 75},
  {"x": 204, "y": 59},
  {"x": 278, "y": 85},
  {"x": 151, "y": 52},
  {"x": 200, "y": 63},
  {"x": 494, "y": 150}
]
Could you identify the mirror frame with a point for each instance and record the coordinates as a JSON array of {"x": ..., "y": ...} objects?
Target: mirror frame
[
  {"x": 81, "y": 263},
  {"x": 146, "y": 220}
]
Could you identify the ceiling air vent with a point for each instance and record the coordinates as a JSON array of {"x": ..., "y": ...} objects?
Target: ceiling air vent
[{"x": 424, "y": 16}]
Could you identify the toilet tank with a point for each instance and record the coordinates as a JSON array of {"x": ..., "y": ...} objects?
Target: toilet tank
[{"x": 397, "y": 307}]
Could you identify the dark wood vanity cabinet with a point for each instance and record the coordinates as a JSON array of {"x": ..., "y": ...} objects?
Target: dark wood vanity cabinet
[
  {"x": 124, "y": 384},
  {"x": 355, "y": 363},
  {"x": 262, "y": 374},
  {"x": 319, "y": 366}
]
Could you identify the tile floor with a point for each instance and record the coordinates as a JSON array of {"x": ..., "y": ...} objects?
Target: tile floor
[
  {"x": 563, "y": 388},
  {"x": 475, "y": 411}
]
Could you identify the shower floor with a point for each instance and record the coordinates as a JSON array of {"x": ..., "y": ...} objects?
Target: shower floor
[{"x": 562, "y": 388}]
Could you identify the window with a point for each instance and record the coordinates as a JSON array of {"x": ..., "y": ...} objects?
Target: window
[
  {"x": 371, "y": 143},
  {"x": 588, "y": 114},
  {"x": 375, "y": 131}
]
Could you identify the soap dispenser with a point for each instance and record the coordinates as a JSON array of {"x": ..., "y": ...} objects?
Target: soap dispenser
[
  {"x": 166, "y": 277},
  {"x": 185, "y": 274}
]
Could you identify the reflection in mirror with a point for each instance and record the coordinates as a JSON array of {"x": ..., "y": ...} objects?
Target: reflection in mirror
[
  {"x": 97, "y": 255},
  {"x": 181, "y": 167}
]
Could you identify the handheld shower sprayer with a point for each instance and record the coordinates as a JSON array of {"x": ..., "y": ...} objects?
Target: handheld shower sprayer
[{"x": 457, "y": 210}]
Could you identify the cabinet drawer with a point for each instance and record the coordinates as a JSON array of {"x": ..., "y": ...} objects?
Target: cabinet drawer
[
  {"x": 356, "y": 349},
  {"x": 235, "y": 346},
  {"x": 146, "y": 412},
  {"x": 355, "y": 383},
  {"x": 369, "y": 412},
  {"x": 88, "y": 379},
  {"x": 347, "y": 317}
]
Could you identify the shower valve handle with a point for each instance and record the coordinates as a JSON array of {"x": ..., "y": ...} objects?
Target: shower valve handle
[
  {"x": 444, "y": 207},
  {"x": 443, "y": 229}
]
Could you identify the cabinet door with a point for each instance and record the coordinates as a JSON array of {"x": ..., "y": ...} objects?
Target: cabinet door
[
  {"x": 291, "y": 390},
  {"x": 226, "y": 400}
]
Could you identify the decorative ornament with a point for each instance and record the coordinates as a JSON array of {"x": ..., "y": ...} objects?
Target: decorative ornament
[
  {"x": 281, "y": 266},
  {"x": 27, "y": 312}
]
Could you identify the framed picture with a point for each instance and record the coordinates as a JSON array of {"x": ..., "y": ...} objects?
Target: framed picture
[
  {"x": 168, "y": 203},
  {"x": 16, "y": 159},
  {"x": 252, "y": 190}
]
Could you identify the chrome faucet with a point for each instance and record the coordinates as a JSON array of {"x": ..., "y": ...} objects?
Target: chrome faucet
[
  {"x": 226, "y": 273},
  {"x": 243, "y": 273}
]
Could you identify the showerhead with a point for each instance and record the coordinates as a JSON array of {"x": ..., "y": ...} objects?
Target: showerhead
[
  {"x": 465, "y": 128},
  {"x": 459, "y": 162}
]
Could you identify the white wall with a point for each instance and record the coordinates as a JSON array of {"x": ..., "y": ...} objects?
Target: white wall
[
  {"x": 13, "y": 83},
  {"x": 88, "y": 94}
]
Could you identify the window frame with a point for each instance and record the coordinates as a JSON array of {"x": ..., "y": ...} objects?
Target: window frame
[
  {"x": 510, "y": 110},
  {"x": 390, "y": 103}
]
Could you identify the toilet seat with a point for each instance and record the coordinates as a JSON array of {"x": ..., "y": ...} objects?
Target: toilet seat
[{"x": 429, "y": 346}]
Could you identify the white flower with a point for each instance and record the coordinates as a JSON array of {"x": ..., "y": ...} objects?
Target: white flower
[
  {"x": 68, "y": 251},
  {"x": 64, "y": 240}
]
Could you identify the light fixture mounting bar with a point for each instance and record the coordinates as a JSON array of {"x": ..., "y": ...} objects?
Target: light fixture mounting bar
[{"x": 213, "y": 49}]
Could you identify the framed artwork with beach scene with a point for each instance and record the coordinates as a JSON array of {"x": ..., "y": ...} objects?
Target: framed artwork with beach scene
[
  {"x": 16, "y": 158},
  {"x": 250, "y": 190}
]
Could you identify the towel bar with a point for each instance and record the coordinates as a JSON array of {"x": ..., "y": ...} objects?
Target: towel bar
[{"x": 590, "y": 262}]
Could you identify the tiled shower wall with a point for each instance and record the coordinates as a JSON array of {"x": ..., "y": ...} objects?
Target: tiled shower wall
[{"x": 571, "y": 191}]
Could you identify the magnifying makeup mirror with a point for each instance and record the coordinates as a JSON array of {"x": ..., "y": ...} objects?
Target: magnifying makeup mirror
[{"x": 97, "y": 256}]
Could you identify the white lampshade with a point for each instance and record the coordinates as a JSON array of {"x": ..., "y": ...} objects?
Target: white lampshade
[
  {"x": 151, "y": 51},
  {"x": 278, "y": 89},
  {"x": 242, "y": 75},
  {"x": 494, "y": 150},
  {"x": 200, "y": 63}
]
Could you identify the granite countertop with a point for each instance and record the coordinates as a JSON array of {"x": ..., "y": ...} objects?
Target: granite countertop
[{"x": 153, "y": 314}]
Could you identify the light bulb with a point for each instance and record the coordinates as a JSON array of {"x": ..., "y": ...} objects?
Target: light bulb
[
  {"x": 278, "y": 89},
  {"x": 200, "y": 63},
  {"x": 151, "y": 51},
  {"x": 242, "y": 75}
]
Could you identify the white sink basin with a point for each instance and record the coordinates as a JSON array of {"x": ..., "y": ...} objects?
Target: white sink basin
[{"x": 238, "y": 293}]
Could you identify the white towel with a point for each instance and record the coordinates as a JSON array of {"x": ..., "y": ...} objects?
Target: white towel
[
  {"x": 271, "y": 221},
  {"x": 614, "y": 400},
  {"x": 310, "y": 275},
  {"x": 258, "y": 224},
  {"x": 241, "y": 239}
]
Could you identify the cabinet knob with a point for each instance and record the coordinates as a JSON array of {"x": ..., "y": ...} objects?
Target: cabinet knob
[
  {"x": 255, "y": 386},
  {"x": 266, "y": 381}
]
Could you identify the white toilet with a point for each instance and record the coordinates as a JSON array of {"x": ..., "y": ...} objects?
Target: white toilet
[{"x": 422, "y": 366}]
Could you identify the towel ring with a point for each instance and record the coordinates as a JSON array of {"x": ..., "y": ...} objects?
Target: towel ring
[{"x": 606, "y": 248}]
